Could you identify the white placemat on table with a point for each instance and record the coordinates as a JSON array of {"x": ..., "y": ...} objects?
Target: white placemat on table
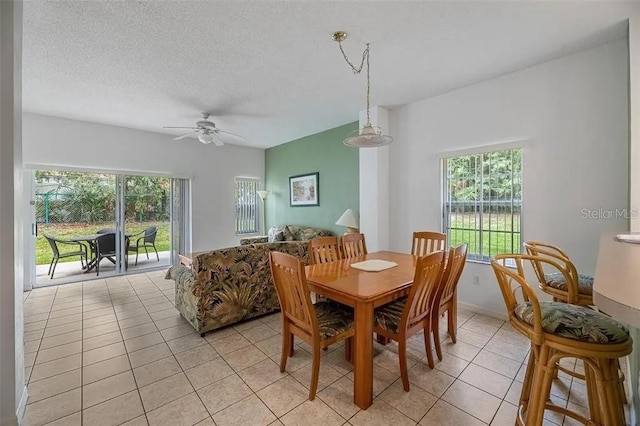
[{"x": 374, "y": 265}]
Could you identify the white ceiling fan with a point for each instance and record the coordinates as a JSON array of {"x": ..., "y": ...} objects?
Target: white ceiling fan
[{"x": 206, "y": 132}]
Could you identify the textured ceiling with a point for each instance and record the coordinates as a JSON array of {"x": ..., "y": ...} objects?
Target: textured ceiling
[{"x": 268, "y": 69}]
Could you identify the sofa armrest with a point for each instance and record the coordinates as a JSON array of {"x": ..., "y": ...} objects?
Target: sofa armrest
[
  {"x": 253, "y": 240},
  {"x": 182, "y": 275}
]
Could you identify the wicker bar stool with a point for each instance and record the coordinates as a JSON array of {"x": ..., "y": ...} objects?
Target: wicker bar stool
[
  {"x": 561, "y": 330},
  {"x": 564, "y": 284},
  {"x": 576, "y": 289}
]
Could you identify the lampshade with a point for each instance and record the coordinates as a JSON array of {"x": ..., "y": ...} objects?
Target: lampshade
[
  {"x": 205, "y": 137},
  {"x": 368, "y": 137},
  {"x": 348, "y": 219},
  {"x": 263, "y": 194}
]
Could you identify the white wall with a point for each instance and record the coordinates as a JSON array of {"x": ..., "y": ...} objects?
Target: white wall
[
  {"x": 634, "y": 124},
  {"x": 13, "y": 392},
  {"x": 60, "y": 142},
  {"x": 574, "y": 113}
]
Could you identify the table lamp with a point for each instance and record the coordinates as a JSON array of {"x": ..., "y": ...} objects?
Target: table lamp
[
  {"x": 349, "y": 220},
  {"x": 263, "y": 194}
]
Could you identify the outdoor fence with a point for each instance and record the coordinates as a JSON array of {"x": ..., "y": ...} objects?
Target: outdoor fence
[{"x": 52, "y": 207}]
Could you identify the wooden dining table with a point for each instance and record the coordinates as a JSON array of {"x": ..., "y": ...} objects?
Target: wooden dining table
[{"x": 364, "y": 291}]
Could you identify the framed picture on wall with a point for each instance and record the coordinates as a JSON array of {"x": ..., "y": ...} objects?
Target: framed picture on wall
[{"x": 304, "y": 190}]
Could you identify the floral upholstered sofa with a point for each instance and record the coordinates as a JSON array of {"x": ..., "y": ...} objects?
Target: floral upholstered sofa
[
  {"x": 288, "y": 233},
  {"x": 229, "y": 285}
]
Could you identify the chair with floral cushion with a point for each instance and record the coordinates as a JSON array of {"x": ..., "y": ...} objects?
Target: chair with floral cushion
[
  {"x": 561, "y": 330},
  {"x": 319, "y": 325},
  {"x": 425, "y": 242},
  {"x": 353, "y": 245},
  {"x": 578, "y": 289},
  {"x": 409, "y": 315},
  {"x": 447, "y": 297},
  {"x": 564, "y": 284}
]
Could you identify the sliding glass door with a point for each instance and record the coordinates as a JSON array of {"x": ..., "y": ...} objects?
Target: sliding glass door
[
  {"x": 95, "y": 225},
  {"x": 147, "y": 222}
]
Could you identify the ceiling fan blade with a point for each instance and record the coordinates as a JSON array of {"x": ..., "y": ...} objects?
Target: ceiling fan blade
[
  {"x": 224, "y": 132},
  {"x": 189, "y": 133},
  {"x": 169, "y": 127},
  {"x": 216, "y": 139}
]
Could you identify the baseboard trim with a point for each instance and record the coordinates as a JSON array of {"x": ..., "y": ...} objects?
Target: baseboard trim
[
  {"x": 484, "y": 311},
  {"x": 22, "y": 406}
]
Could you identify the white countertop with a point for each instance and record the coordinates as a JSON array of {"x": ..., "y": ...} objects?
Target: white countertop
[{"x": 616, "y": 288}]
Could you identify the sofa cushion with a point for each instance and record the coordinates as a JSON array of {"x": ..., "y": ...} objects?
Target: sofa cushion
[
  {"x": 288, "y": 234},
  {"x": 275, "y": 234},
  {"x": 308, "y": 234}
]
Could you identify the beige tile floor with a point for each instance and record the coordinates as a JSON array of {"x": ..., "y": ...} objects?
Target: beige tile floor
[{"x": 116, "y": 351}]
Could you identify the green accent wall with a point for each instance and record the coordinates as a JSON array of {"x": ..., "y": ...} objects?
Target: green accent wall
[{"x": 339, "y": 179}]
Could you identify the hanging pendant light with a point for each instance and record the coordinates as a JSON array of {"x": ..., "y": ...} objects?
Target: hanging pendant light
[{"x": 369, "y": 136}]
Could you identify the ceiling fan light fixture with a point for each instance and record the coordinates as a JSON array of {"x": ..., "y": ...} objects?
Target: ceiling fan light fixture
[
  {"x": 369, "y": 136},
  {"x": 205, "y": 137}
]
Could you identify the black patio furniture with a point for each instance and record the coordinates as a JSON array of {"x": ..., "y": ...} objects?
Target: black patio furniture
[
  {"x": 146, "y": 240},
  {"x": 57, "y": 255},
  {"x": 105, "y": 247},
  {"x": 106, "y": 231}
]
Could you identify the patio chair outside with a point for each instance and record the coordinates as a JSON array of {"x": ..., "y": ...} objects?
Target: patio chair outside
[
  {"x": 106, "y": 231},
  {"x": 53, "y": 242},
  {"x": 105, "y": 248},
  {"x": 146, "y": 241}
]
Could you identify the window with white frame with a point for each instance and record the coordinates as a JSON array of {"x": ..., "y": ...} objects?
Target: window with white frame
[
  {"x": 482, "y": 206},
  {"x": 246, "y": 205}
]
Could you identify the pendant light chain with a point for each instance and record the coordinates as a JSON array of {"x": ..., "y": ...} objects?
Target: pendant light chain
[
  {"x": 358, "y": 70},
  {"x": 368, "y": 123},
  {"x": 368, "y": 136}
]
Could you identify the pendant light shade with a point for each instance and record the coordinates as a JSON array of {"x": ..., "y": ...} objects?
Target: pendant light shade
[{"x": 369, "y": 136}]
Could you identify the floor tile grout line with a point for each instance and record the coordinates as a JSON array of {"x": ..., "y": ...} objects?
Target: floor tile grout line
[
  {"x": 28, "y": 379},
  {"x": 184, "y": 371},
  {"x": 144, "y": 411},
  {"x": 268, "y": 357},
  {"x": 176, "y": 360},
  {"x": 457, "y": 378},
  {"x": 59, "y": 393}
]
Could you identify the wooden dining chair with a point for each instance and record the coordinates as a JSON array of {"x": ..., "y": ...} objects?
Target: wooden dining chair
[
  {"x": 563, "y": 283},
  {"x": 425, "y": 242},
  {"x": 353, "y": 245},
  {"x": 319, "y": 325},
  {"x": 447, "y": 297},
  {"x": 323, "y": 250},
  {"x": 405, "y": 317},
  {"x": 562, "y": 330}
]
